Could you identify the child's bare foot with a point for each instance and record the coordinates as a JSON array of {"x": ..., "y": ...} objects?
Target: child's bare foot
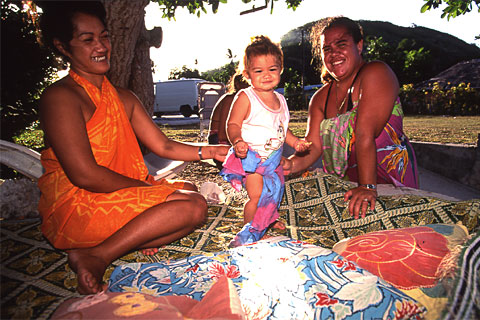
[
  {"x": 279, "y": 225},
  {"x": 149, "y": 251},
  {"x": 89, "y": 269}
]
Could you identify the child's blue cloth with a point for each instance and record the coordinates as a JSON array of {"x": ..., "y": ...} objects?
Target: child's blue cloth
[{"x": 235, "y": 171}]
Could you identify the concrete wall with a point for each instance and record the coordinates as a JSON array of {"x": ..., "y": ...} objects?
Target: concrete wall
[{"x": 457, "y": 162}]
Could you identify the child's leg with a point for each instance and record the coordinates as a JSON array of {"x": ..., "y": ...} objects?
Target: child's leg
[{"x": 254, "y": 186}]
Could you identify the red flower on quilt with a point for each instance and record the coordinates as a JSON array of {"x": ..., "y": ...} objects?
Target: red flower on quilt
[
  {"x": 323, "y": 300},
  {"x": 339, "y": 263},
  {"x": 407, "y": 258},
  {"x": 407, "y": 310},
  {"x": 193, "y": 269},
  {"x": 217, "y": 270}
]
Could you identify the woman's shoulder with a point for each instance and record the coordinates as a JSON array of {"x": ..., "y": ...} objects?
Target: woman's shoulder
[
  {"x": 375, "y": 67},
  {"x": 227, "y": 98},
  {"x": 319, "y": 97},
  {"x": 127, "y": 96},
  {"x": 64, "y": 88},
  {"x": 125, "y": 93}
]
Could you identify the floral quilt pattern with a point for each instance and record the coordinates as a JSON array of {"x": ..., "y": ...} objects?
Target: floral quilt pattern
[{"x": 277, "y": 278}]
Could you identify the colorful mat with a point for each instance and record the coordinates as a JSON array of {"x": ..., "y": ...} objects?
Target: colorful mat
[{"x": 35, "y": 278}]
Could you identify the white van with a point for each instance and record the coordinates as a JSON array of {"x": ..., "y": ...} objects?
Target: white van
[{"x": 176, "y": 96}]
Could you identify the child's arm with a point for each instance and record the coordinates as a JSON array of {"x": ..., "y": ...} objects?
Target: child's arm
[
  {"x": 298, "y": 144},
  {"x": 239, "y": 112}
]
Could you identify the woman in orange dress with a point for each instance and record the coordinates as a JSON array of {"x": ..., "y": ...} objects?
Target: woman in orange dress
[{"x": 98, "y": 201}]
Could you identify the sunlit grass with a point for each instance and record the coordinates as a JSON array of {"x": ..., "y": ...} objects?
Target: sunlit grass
[{"x": 441, "y": 129}]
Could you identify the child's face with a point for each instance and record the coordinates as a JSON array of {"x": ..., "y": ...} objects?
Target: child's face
[{"x": 264, "y": 72}]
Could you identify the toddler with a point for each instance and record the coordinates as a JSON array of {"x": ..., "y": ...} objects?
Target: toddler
[{"x": 257, "y": 128}]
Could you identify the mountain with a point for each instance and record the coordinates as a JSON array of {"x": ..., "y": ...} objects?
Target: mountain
[{"x": 446, "y": 50}]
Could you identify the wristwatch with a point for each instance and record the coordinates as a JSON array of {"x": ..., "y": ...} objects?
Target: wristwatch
[{"x": 369, "y": 186}]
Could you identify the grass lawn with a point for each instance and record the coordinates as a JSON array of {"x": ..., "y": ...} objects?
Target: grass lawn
[{"x": 442, "y": 129}]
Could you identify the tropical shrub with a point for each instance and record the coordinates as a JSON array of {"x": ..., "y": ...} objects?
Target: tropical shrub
[{"x": 436, "y": 100}]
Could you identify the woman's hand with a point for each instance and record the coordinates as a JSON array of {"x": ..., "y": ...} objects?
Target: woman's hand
[
  {"x": 287, "y": 165},
  {"x": 220, "y": 152},
  {"x": 361, "y": 200}
]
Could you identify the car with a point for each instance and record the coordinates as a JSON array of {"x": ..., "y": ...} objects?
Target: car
[{"x": 176, "y": 96}]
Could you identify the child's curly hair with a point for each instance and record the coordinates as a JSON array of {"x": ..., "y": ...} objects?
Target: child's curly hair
[{"x": 259, "y": 46}]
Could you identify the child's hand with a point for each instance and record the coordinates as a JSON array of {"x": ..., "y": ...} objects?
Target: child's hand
[
  {"x": 241, "y": 149},
  {"x": 301, "y": 145}
]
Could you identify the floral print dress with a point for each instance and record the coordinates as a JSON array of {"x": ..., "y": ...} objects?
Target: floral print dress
[{"x": 396, "y": 163}]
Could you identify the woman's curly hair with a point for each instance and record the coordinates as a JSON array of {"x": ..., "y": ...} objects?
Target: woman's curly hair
[{"x": 353, "y": 28}]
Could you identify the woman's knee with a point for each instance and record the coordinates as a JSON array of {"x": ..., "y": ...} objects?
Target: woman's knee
[
  {"x": 200, "y": 211},
  {"x": 187, "y": 185},
  {"x": 195, "y": 205}
]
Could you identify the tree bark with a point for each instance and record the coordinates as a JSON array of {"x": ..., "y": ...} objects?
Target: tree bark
[{"x": 131, "y": 66}]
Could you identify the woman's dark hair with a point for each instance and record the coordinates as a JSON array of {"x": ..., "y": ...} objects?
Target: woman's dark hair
[
  {"x": 237, "y": 82},
  {"x": 353, "y": 28},
  {"x": 56, "y": 19},
  {"x": 262, "y": 45}
]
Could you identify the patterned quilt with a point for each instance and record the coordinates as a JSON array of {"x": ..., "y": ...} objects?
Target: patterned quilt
[{"x": 35, "y": 278}]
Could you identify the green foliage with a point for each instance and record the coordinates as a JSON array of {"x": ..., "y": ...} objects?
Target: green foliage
[
  {"x": 376, "y": 48},
  {"x": 27, "y": 68},
  {"x": 453, "y": 8},
  {"x": 408, "y": 63},
  {"x": 31, "y": 137},
  {"x": 196, "y": 7},
  {"x": 457, "y": 100},
  {"x": 184, "y": 72},
  {"x": 293, "y": 90},
  {"x": 222, "y": 74}
]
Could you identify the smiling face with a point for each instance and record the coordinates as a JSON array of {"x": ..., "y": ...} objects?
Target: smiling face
[
  {"x": 340, "y": 54},
  {"x": 89, "y": 50},
  {"x": 263, "y": 71}
]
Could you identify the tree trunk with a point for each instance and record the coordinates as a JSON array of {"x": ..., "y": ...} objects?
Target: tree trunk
[{"x": 131, "y": 66}]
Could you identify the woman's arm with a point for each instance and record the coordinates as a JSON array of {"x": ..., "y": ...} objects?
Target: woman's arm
[
  {"x": 227, "y": 102},
  {"x": 301, "y": 161},
  {"x": 62, "y": 114},
  {"x": 215, "y": 117},
  {"x": 156, "y": 141},
  {"x": 378, "y": 89}
]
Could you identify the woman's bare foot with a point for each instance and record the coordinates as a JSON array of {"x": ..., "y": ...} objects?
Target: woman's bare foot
[
  {"x": 89, "y": 269},
  {"x": 149, "y": 251},
  {"x": 279, "y": 225}
]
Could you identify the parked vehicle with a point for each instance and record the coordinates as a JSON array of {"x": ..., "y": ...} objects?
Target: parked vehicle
[{"x": 176, "y": 96}]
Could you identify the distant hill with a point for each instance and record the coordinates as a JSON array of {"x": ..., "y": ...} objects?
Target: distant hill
[{"x": 446, "y": 49}]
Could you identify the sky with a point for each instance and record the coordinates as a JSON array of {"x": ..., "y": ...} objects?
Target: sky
[{"x": 202, "y": 42}]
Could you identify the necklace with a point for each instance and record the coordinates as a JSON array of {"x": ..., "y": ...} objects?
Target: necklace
[
  {"x": 336, "y": 100},
  {"x": 349, "y": 90}
]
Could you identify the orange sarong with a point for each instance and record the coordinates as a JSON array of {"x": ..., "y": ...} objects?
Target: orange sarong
[{"x": 75, "y": 218}]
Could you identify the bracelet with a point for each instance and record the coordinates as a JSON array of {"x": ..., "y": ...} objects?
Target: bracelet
[
  {"x": 235, "y": 143},
  {"x": 369, "y": 186},
  {"x": 200, "y": 153}
]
